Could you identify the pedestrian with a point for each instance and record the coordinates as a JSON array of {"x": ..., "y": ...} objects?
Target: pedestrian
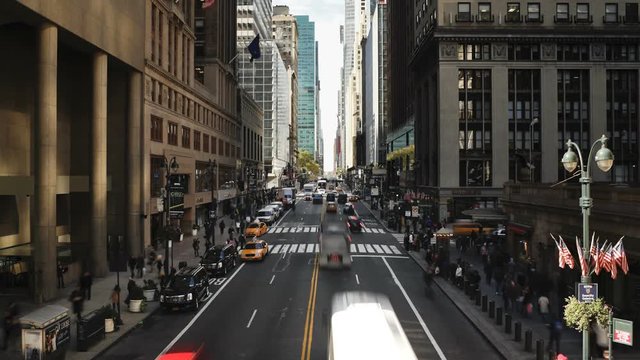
[
  {"x": 488, "y": 272},
  {"x": 543, "y": 307},
  {"x": 152, "y": 258},
  {"x": 231, "y": 231},
  {"x": 242, "y": 240},
  {"x": 60, "y": 270},
  {"x": 555, "y": 332},
  {"x": 130, "y": 286},
  {"x": 207, "y": 245},
  {"x": 140, "y": 266},
  {"x": 222, "y": 226},
  {"x": 132, "y": 265},
  {"x": 196, "y": 247},
  {"x": 9, "y": 324},
  {"x": 77, "y": 301},
  {"x": 86, "y": 280},
  {"x": 406, "y": 241},
  {"x": 458, "y": 275},
  {"x": 498, "y": 276},
  {"x": 115, "y": 298}
]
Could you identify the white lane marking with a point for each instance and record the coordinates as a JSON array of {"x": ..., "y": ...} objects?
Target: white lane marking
[
  {"x": 294, "y": 248},
  {"x": 285, "y": 248},
  {"x": 271, "y": 230},
  {"x": 415, "y": 312},
  {"x": 272, "y": 278},
  {"x": 361, "y": 248},
  {"x": 379, "y": 256},
  {"x": 357, "y": 279},
  {"x": 367, "y": 230},
  {"x": 370, "y": 248},
  {"x": 285, "y": 229},
  {"x": 252, "y": 316},
  {"x": 316, "y": 248},
  {"x": 386, "y": 249},
  {"x": 195, "y": 318},
  {"x": 379, "y": 231},
  {"x": 352, "y": 248},
  {"x": 378, "y": 248},
  {"x": 275, "y": 249},
  {"x": 283, "y": 216},
  {"x": 314, "y": 229},
  {"x": 395, "y": 249},
  {"x": 306, "y": 229},
  {"x": 309, "y": 248},
  {"x": 278, "y": 230}
]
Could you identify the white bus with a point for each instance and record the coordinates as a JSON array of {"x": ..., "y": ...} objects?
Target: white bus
[
  {"x": 364, "y": 326},
  {"x": 322, "y": 184}
]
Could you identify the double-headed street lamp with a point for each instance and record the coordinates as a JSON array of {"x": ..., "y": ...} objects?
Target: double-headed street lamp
[
  {"x": 604, "y": 160},
  {"x": 171, "y": 166}
]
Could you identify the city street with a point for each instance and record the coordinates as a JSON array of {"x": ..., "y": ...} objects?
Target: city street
[{"x": 262, "y": 310}]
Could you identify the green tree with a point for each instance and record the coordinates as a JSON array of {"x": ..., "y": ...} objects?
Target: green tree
[{"x": 306, "y": 161}]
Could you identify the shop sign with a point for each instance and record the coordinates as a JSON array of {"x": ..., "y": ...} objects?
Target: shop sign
[
  {"x": 623, "y": 331},
  {"x": 587, "y": 292},
  {"x": 415, "y": 211},
  {"x": 57, "y": 335}
]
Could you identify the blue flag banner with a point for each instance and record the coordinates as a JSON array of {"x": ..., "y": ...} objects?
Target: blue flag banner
[{"x": 254, "y": 48}]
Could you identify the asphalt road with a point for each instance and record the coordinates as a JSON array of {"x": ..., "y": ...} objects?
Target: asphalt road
[{"x": 280, "y": 308}]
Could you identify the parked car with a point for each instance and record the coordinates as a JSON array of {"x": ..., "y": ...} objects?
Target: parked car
[
  {"x": 317, "y": 198},
  {"x": 279, "y": 205},
  {"x": 348, "y": 209},
  {"x": 266, "y": 215},
  {"x": 256, "y": 229},
  {"x": 254, "y": 250},
  {"x": 220, "y": 259},
  {"x": 332, "y": 207},
  {"x": 354, "y": 224},
  {"x": 188, "y": 288}
]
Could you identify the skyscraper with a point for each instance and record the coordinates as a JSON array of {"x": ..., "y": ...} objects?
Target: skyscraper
[{"x": 307, "y": 85}]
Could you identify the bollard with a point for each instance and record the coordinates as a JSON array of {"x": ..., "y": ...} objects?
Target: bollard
[
  {"x": 492, "y": 309},
  {"x": 472, "y": 291},
  {"x": 517, "y": 330},
  {"x": 485, "y": 299},
  {"x": 478, "y": 297},
  {"x": 465, "y": 286},
  {"x": 528, "y": 340},
  {"x": 539, "y": 349},
  {"x": 507, "y": 323},
  {"x": 499, "y": 316}
]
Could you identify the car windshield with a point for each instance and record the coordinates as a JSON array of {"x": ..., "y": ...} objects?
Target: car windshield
[
  {"x": 214, "y": 254},
  {"x": 264, "y": 213},
  {"x": 252, "y": 246},
  {"x": 181, "y": 282},
  {"x": 253, "y": 226}
]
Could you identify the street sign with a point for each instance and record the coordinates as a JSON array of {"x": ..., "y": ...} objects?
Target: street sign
[
  {"x": 415, "y": 211},
  {"x": 375, "y": 191},
  {"x": 587, "y": 292},
  {"x": 623, "y": 331}
]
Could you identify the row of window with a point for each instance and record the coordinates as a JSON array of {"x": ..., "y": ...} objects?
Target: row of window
[
  {"x": 563, "y": 13},
  {"x": 201, "y": 142},
  {"x": 564, "y": 52},
  {"x": 175, "y": 38}
]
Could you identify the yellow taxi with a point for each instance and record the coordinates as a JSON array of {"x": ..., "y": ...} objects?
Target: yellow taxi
[
  {"x": 331, "y": 207},
  {"x": 256, "y": 229},
  {"x": 254, "y": 250}
]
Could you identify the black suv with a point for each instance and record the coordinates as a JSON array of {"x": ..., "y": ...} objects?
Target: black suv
[
  {"x": 220, "y": 259},
  {"x": 189, "y": 287}
]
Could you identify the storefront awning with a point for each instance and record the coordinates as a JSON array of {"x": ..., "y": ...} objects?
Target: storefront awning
[{"x": 519, "y": 229}]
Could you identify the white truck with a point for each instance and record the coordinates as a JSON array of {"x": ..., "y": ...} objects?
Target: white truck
[{"x": 289, "y": 197}]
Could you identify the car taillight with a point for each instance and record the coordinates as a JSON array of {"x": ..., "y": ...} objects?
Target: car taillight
[{"x": 335, "y": 258}]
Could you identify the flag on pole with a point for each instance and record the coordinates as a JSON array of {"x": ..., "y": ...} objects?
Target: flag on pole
[
  {"x": 595, "y": 256},
  {"x": 602, "y": 252},
  {"x": 561, "y": 262},
  {"x": 620, "y": 256},
  {"x": 207, "y": 3},
  {"x": 568, "y": 258},
  {"x": 584, "y": 267},
  {"x": 614, "y": 267},
  {"x": 254, "y": 48},
  {"x": 606, "y": 258}
]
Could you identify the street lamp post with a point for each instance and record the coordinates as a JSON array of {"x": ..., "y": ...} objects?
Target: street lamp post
[
  {"x": 170, "y": 166},
  {"x": 604, "y": 160},
  {"x": 531, "y": 167},
  {"x": 214, "y": 202}
]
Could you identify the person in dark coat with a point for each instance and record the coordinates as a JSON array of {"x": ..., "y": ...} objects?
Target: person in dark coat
[
  {"x": 86, "y": 280},
  {"x": 196, "y": 247},
  {"x": 140, "y": 265},
  {"x": 130, "y": 286},
  {"x": 77, "y": 301},
  {"x": 132, "y": 265},
  {"x": 60, "y": 270},
  {"x": 222, "y": 225}
]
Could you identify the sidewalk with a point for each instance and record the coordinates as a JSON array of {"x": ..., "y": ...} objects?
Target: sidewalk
[
  {"x": 571, "y": 340},
  {"x": 101, "y": 296}
]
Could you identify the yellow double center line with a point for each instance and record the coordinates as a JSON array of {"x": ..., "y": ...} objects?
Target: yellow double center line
[{"x": 308, "y": 324}]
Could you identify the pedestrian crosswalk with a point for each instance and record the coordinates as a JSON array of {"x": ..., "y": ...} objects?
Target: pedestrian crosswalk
[
  {"x": 399, "y": 238},
  {"x": 313, "y": 229},
  {"x": 380, "y": 249}
]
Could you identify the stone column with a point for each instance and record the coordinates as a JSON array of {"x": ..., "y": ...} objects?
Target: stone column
[
  {"x": 99, "y": 166},
  {"x": 548, "y": 125},
  {"x": 46, "y": 145},
  {"x": 134, "y": 162},
  {"x": 500, "y": 126}
]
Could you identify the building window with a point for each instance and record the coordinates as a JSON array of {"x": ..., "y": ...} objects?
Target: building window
[
  {"x": 562, "y": 12},
  {"x": 523, "y": 52},
  {"x": 214, "y": 144},
  {"x": 484, "y": 12},
  {"x": 221, "y": 147},
  {"x": 572, "y": 52},
  {"x": 196, "y": 140},
  {"x": 171, "y": 29},
  {"x": 172, "y": 133},
  {"x": 160, "y": 28},
  {"x": 622, "y": 52},
  {"x": 227, "y": 151},
  {"x": 205, "y": 143},
  {"x": 154, "y": 12},
  {"x": 631, "y": 13},
  {"x": 622, "y": 124},
  {"x": 186, "y": 137},
  {"x": 513, "y": 13},
  {"x": 533, "y": 12},
  {"x": 464, "y": 12},
  {"x": 573, "y": 111},
  {"x": 523, "y": 107},
  {"x": 474, "y": 52},
  {"x": 582, "y": 13},
  {"x": 156, "y": 128},
  {"x": 157, "y": 169},
  {"x": 474, "y": 141},
  {"x": 611, "y": 13}
]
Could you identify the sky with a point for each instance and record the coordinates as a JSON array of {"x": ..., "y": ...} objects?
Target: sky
[{"x": 328, "y": 15}]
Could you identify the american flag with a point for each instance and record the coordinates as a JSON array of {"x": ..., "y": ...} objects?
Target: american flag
[
  {"x": 561, "y": 262},
  {"x": 606, "y": 257},
  {"x": 620, "y": 256},
  {"x": 568, "y": 258},
  {"x": 583, "y": 262},
  {"x": 614, "y": 267},
  {"x": 595, "y": 256}
]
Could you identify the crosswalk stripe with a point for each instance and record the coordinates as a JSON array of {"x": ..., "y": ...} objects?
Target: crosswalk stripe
[
  {"x": 306, "y": 229},
  {"x": 285, "y": 230},
  {"x": 278, "y": 230},
  {"x": 294, "y": 248},
  {"x": 361, "y": 248},
  {"x": 316, "y": 248},
  {"x": 352, "y": 248},
  {"x": 309, "y": 248},
  {"x": 271, "y": 230},
  {"x": 386, "y": 249},
  {"x": 395, "y": 249},
  {"x": 378, "y": 248},
  {"x": 285, "y": 248},
  {"x": 275, "y": 249},
  {"x": 380, "y": 231},
  {"x": 369, "y": 248},
  {"x": 314, "y": 229}
]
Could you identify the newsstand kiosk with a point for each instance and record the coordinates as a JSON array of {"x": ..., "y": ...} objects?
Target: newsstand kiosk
[{"x": 46, "y": 333}]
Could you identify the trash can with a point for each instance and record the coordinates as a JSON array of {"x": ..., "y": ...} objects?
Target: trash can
[{"x": 46, "y": 333}]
